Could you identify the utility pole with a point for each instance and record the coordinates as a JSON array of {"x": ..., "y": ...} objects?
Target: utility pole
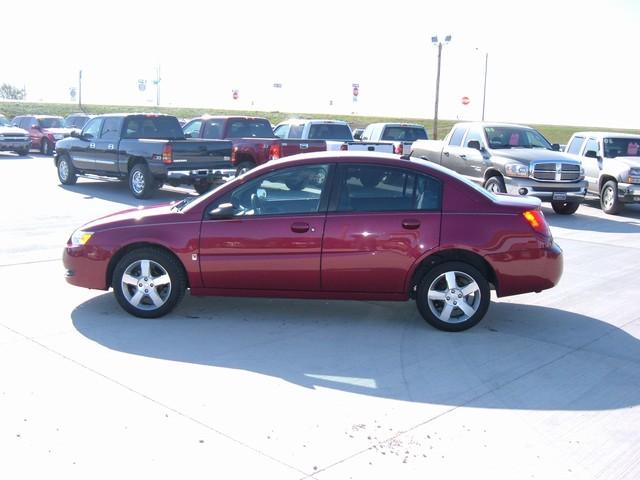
[
  {"x": 435, "y": 41},
  {"x": 484, "y": 94},
  {"x": 80, "y": 91},
  {"x": 157, "y": 82}
]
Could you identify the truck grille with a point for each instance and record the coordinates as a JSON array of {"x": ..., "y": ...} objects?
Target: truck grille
[
  {"x": 556, "y": 172},
  {"x": 14, "y": 137}
]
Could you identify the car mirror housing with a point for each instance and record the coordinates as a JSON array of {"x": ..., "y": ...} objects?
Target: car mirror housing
[
  {"x": 475, "y": 144},
  {"x": 224, "y": 210},
  {"x": 555, "y": 147},
  {"x": 591, "y": 154}
]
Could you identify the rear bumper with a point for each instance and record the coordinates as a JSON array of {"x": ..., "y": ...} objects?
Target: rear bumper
[
  {"x": 202, "y": 175},
  {"x": 547, "y": 191},
  {"x": 530, "y": 270}
]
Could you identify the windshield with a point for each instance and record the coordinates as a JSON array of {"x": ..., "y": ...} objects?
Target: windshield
[
  {"x": 4, "y": 122},
  {"x": 51, "y": 122},
  {"x": 404, "y": 134},
  {"x": 330, "y": 131},
  {"x": 161, "y": 127},
  {"x": 515, "y": 137},
  {"x": 621, "y": 147},
  {"x": 256, "y": 128},
  {"x": 75, "y": 122}
]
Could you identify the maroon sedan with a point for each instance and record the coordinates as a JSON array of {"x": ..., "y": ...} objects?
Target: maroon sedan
[{"x": 330, "y": 225}]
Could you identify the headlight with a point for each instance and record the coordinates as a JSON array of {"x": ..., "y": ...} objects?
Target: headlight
[
  {"x": 634, "y": 175},
  {"x": 58, "y": 136},
  {"x": 516, "y": 170},
  {"x": 80, "y": 237}
]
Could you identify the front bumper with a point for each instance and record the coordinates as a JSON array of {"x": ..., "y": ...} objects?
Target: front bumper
[
  {"x": 86, "y": 266},
  {"x": 629, "y": 192},
  {"x": 203, "y": 175},
  {"x": 547, "y": 191},
  {"x": 12, "y": 145}
]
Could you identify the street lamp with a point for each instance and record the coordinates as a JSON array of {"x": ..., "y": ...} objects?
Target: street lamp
[
  {"x": 484, "y": 90},
  {"x": 435, "y": 41}
]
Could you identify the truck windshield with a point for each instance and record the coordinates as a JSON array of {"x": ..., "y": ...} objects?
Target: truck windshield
[
  {"x": 51, "y": 122},
  {"x": 161, "y": 127},
  {"x": 404, "y": 134},
  {"x": 255, "y": 127},
  {"x": 621, "y": 147},
  {"x": 330, "y": 131},
  {"x": 515, "y": 137}
]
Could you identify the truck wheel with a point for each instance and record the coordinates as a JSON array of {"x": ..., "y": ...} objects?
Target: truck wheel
[
  {"x": 453, "y": 296},
  {"x": 148, "y": 282},
  {"x": 141, "y": 182},
  {"x": 244, "y": 167},
  {"x": 495, "y": 185},
  {"x": 45, "y": 147},
  {"x": 23, "y": 153},
  {"x": 565, "y": 208},
  {"x": 609, "y": 201},
  {"x": 202, "y": 188},
  {"x": 66, "y": 171}
]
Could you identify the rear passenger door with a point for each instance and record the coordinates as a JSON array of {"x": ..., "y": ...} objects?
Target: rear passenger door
[
  {"x": 106, "y": 145},
  {"x": 592, "y": 166},
  {"x": 381, "y": 220}
]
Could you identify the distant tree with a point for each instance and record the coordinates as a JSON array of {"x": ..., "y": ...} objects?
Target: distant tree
[{"x": 10, "y": 92}]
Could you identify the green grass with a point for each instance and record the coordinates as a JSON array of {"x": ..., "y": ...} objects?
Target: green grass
[{"x": 555, "y": 133}]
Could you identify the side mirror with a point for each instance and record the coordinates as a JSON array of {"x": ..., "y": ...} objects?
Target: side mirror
[
  {"x": 36, "y": 126},
  {"x": 187, "y": 135},
  {"x": 74, "y": 133},
  {"x": 591, "y": 154},
  {"x": 555, "y": 147},
  {"x": 224, "y": 210},
  {"x": 475, "y": 144},
  {"x": 357, "y": 136}
]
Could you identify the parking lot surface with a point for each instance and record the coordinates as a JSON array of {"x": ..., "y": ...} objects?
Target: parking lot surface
[{"x": 546, "y": 386}]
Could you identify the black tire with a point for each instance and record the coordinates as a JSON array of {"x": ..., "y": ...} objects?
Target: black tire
[
  {"x": 45, "y": 147},
  {"x": 244, "y": 167},
  {"x": 565, "y": 208},
  {"x": 23, "y": 153},
  {"x": 202, "y": 188},
  {"x": 66, "y": 171},
  {"x": 141, "y": 181},
  {"x": 434, "y": 310},
  {"x": 139, "y": 301},
  {"x": 495, "y": 185},
  {"x": 609, "y": 201}
]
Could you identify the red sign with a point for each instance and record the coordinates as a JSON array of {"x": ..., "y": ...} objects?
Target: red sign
[
  {"x": 465, "y": 100},
  {"x": 356, "y": 91},
  {"x": 235, "y": 94}
]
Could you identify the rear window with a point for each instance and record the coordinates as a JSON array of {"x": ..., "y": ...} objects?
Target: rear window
[
  {"x": 330, "y": 131},
  {"x": 51, "y": 122},
  {"x": 257, "y": 128},
  {"x": 153, "y": 127},
  {"x": 404, "y": 134}
]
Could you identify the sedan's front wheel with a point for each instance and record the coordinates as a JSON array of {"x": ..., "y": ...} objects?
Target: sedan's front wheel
[
  {"x": 148, "y": 282},
  {"x": 453, "y": 296}
]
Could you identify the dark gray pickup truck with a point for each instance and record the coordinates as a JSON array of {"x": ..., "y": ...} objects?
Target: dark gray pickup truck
[
  {"x": 147, "y": 150},
  {"x": 506, "y": 158}
]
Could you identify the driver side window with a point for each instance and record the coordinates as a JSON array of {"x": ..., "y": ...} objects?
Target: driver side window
[
  {"x": 92, "y": 129},
  {"x": 291, "y": 191}
]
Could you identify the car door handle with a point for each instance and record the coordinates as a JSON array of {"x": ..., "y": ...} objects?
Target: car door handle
[
  {"x": 304, "y": 146},
  {"x": 463, "y": 156},
  {"x": 92, "y": 145},
  {"x": 445, "y": 153},
  {"x": 110, "y": 146},
  {"x": 300, "y": 227},
  {"x": 410, "y": 224}
]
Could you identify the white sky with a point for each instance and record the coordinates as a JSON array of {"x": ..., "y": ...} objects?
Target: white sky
[{"x": 563, "y": 62}]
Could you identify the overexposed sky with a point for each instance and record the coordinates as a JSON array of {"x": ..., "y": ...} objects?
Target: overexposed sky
[{"x": 564, "y": 62}]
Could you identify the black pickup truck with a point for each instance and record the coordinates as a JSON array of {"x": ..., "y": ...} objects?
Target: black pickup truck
[{"x": 147, "y": 150}]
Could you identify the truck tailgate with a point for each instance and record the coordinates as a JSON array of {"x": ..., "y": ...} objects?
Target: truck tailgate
[
  {"x": 198, "y": 153},
  {"x": 380, "y": 147},
  {"x": 292, "y": 147}
]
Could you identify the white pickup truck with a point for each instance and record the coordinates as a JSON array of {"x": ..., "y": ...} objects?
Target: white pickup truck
[
  {"x": 400, "y": 135},
  {"x": 336, "y": 133},
  {"x": 611, "y": 163}
]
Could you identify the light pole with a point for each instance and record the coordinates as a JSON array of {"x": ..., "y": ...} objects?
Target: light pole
[
  {"x": 484, "y": 89},
  {"x": 435, "y": 41}
]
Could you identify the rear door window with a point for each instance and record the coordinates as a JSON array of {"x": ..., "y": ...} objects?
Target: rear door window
[
  {"x": 575, "y": 145},
  {"x": 456, "y": 136}
]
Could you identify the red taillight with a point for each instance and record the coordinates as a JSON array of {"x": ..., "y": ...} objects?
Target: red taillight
[
  {"x": 274, "y": 151},
  {"x": 234, "y": 155},
  {"x": 167, "y": 154},
  {"x": 398, "y": 149},
  {"x": 536, "y": 220}
]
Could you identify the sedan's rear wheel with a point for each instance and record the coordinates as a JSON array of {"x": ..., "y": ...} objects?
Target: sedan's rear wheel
[
  {"x": 453, "y": 296},
  {"x": 148, "y": 282}
]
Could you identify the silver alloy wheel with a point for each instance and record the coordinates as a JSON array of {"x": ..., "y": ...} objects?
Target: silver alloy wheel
[
  {"x": 607, "y": 198},
  {"x": 454, "y": 297},
  {"x": 493, "y": 187},
  {"x": 63, "y": 170},
  {"x": 137, "y": 182},
  {"x": 146, "y": 285}
]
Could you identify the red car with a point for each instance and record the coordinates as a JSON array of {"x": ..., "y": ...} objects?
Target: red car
[
  {"x": 327, "y": 225},
  {"x": 44, "y": 130}
]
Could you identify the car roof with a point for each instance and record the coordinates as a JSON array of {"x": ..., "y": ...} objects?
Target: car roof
[
  {"x": 314, "y": 121},
  {"x": 398, "y": 124},
  {"x": 607, "y": 134},
  {"x": 492, "y": 124},
  {"x": 229, "y": 117}
]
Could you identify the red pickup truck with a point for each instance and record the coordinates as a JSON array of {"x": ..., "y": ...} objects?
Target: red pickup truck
[{"x": 252, "y": 137}]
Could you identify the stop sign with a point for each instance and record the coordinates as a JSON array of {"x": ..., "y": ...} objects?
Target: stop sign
[
  {"x": 355, "y": 91},
  {"x": 235, "y": 94},
  {"x": 465, "y": 100}
]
